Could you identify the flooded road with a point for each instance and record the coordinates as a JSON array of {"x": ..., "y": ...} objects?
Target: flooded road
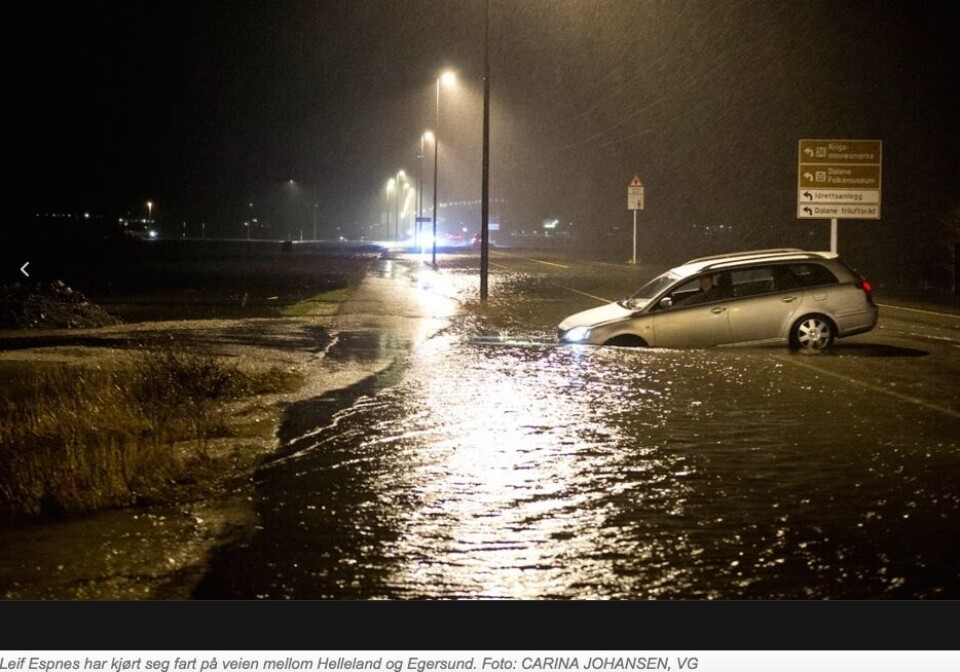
[{"x": 490, "y": 462}]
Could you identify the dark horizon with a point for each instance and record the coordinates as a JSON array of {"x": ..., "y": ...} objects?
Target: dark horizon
[{"x": 205, "y": 109}]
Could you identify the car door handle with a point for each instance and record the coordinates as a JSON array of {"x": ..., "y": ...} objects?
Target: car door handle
[
  {"x": 788, "y": 299},
  {"x": 716, "y": 310}
]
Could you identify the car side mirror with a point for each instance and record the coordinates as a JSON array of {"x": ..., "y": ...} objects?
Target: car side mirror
[{"x": 666, "y": 302}]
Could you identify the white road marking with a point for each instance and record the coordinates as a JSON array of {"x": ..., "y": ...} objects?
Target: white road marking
[
  {"x": 919, "y": 310},
  {"x": 873, "y": 388},
  {"x": 592, "y": 296}
]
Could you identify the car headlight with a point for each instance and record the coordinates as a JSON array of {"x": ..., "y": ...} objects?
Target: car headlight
[{"x": 577, "y": 335}]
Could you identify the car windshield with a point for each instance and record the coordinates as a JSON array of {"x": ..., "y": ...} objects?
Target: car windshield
[{"x": 655, "y": 286}]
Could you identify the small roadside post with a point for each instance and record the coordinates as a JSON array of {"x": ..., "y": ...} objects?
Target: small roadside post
[{"x": 635, "y": 203}]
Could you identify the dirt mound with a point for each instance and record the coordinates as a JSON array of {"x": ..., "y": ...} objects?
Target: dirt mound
[{"x": 51, "y": 305}]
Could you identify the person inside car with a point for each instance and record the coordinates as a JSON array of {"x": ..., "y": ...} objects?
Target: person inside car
[{"x": 713, "y": 287}]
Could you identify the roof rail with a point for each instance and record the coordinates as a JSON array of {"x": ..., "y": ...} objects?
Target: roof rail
[
  {"x": 747, "y": 253},
  {"x": 750, "y": 254}
]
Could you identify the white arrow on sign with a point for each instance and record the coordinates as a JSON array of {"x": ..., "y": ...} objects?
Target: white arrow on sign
[{"x": 23, "y": 269}]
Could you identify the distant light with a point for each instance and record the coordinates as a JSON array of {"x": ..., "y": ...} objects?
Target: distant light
[
  {"x": 448, "y": 78},
  {"x": 428, "y": 136},
  {"x": 151, "y": 233}
]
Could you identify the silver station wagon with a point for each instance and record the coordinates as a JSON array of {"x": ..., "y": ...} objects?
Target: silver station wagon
[{"x": 785, "y": 296}]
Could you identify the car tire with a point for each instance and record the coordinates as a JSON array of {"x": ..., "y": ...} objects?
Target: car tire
[
  {"x": 812, "y": 333},
  {"x": 627, "y": 341}
]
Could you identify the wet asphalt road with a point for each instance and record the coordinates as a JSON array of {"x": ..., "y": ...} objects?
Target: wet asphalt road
[{"x": 491, "y": 462}]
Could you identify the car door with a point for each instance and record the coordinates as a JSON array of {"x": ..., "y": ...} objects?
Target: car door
[
  {"x": 683, "y": 325},
  {"x": 766, "y": 301}
]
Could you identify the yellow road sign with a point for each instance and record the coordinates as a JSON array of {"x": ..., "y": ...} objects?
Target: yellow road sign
[{"x": 839, "y": 179}]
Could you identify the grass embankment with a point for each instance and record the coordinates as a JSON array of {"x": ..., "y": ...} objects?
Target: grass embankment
[
  {"x": 75, "y": 438},
  {"x": 325, "y": 303}
]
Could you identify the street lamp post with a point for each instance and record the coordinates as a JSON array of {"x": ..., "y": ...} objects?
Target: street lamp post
[
  {"x": 448, "y": 78},
  {"x": 391, "y": 183},
  {"x": 424, "y": 136},
  {"x": 292, "y": 218},
  {"x": 400, "y": 175},
  {"x": 419, "y": 208},
  {"x": 485, "y": 180},
  {"x": 404, "y": 205}
]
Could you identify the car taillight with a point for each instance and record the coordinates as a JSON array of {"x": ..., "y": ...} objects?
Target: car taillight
[{"x": 867, "y": 288}]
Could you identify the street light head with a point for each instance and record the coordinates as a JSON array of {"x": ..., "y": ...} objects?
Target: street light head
[
  {"x": 448, "y": 78},
  {"x": 428, "y": 136},
  {"x": 390, "y": 184}
]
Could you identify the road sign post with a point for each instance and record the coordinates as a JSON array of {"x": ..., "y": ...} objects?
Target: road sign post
[
  {"x": 838, "y": 179},
  {"x": 635, "y": 203}
]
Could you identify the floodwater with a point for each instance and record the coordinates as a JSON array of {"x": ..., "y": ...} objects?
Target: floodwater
[
  {"x": 489, "y": 462},
  {"x": 492, "y": 465}
]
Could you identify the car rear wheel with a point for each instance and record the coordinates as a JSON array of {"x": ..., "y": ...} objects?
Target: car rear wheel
[{"x": 812, "y": 332}]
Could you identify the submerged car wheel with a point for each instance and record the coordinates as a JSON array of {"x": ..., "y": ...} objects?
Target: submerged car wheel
[
  {"x": 627, "y": 341},
  {"x": 813, "y": 332}
]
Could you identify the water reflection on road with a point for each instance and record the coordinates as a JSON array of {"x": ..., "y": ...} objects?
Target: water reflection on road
[{"x": 481, "y": 469}]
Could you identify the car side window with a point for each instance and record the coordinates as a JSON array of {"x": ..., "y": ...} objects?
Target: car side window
[
  {"x": 785, "y": 279},
  {"x": 705, "y": 288},
  {"x": 811, "y": 275},
  {"x": 686, "y": 292},
  {"x": 753, "y": 281}
]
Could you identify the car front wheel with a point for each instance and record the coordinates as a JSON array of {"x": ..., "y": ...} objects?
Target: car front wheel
[
  {"x": 627, "y": 341},
  {"x": 813, "y": 332}
]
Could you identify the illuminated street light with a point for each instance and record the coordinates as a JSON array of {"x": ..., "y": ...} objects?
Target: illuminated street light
[
  {"x": 292, "y": 219},
  {"x": 447, "y": 79}
]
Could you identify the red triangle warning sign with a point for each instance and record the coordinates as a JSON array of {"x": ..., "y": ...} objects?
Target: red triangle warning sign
[{"x": 635, "y": 182}]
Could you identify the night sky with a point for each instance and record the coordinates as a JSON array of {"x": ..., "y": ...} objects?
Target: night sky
[{"x": 206, "y": 107}]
